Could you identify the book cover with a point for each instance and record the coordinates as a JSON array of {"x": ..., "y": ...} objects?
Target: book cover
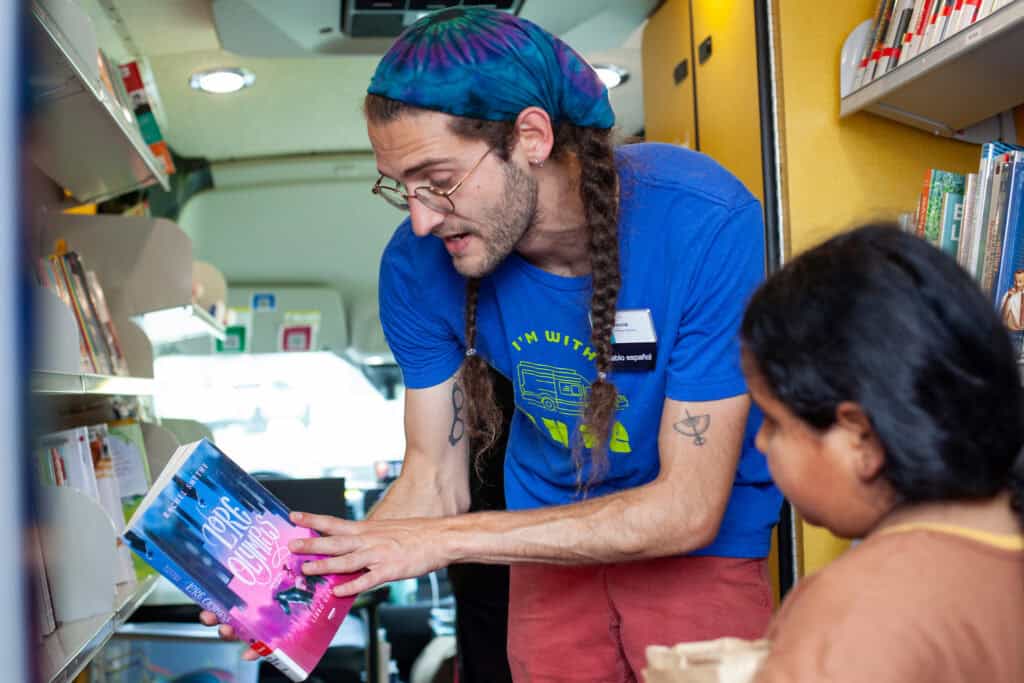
[
  {"x": 952, "y": 216},
  {"x": 110, "y": 495},
  {"x": 222, "y": 538},
  {"x": 1009, "y": 285},
  {"x": 53, "y": 269},
  {"x": 85, "y": 315},
  {"x": 99, "y": 300},
  {"x": 941, "y": 183},
  {"x": 131, "y": 469},
  {"x": 907, "y": 39}
]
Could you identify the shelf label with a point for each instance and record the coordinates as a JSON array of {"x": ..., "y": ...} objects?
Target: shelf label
[{"x": 263, "y": 302}]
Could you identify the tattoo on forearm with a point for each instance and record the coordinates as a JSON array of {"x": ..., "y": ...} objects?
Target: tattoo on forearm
[
  {"x": 694, "y": 426},
  {"x": 458, "y": 428}
]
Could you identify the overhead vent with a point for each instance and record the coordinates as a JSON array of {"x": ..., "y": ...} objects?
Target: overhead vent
[{"x": 388, "y": 18}]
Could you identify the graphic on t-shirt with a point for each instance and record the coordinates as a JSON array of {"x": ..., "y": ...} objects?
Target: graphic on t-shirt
[
  {"x": 566, "y": 392},
  {"x": 560, "y": 390}
]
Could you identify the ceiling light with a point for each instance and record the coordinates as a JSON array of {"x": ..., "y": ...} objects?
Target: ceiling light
[
  {"x": 222, "y": 81},
  {"x": 611, "y": 75}
]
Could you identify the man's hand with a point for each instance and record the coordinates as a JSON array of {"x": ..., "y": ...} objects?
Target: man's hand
[
  {"x": 386, "y": 550},
  {"x": 226, "y": 633}
]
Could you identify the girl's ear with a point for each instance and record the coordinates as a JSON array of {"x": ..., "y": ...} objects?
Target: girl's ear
[{"x": 862, "y": 440}]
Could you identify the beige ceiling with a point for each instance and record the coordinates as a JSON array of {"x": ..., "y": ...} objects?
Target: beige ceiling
[{"x": 303, "y": 105}]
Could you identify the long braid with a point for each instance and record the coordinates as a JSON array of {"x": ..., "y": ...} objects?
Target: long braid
[
  {"x": 599, "y": 191},
  {"x": 484, "y": 414}
]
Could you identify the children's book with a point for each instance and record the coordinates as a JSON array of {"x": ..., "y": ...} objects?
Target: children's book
[
  {"x": 222, "y": 538},
  {"x": 131, "y": 469}
]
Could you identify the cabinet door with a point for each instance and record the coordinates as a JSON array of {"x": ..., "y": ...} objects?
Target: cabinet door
[
  {"x": 728, "y": 111},
  {"x": 667, "y": 52}
]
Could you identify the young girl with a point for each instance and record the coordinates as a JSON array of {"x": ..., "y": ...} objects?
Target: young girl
[{"x": 893, "y": 413}]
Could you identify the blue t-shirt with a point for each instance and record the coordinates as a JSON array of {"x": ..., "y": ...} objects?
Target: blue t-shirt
[{"x": 691, "y": 251}]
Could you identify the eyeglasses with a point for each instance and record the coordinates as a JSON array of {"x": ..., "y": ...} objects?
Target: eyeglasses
[{"x": 434, "y": 199}]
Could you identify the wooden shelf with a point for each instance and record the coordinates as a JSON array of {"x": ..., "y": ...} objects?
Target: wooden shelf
[
  {"x": 71, "y": 384},
  {"x": 67, "y": 651},
  {"x": 976, "y": 74},
  {"x": 77, "y": 134}
]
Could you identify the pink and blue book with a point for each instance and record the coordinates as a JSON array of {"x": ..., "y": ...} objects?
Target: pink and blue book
[{"x": 222, "y": 538}]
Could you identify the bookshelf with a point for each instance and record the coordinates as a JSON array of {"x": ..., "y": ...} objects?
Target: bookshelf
[
  {"x": 67, "y": 651},
  {"x": 48, "y": 383},
  {"x": 79, "y": 135},
  {"x": 976, "y": 74}
]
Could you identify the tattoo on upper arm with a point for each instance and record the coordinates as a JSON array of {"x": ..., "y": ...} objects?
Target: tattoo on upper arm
[
  {"x": 458, "y": 428},
  {"x": 694, "y": 426}
]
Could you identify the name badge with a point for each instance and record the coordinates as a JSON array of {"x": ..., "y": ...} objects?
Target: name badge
[{"x": 634, "y": 343}]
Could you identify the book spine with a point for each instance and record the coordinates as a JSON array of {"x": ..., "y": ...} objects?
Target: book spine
[
  {"x": 952, "y": 217},
  {"x": 922, "y": 203},
  {"x": 919, "y": 30},
  {"x": 899, "y": 28},
  {"x": 92, "y": 320},
  {"x": 933, "y": 25},
  {"x": 967, "y": 224},
  {"x": 861, "y": 78},
  {"x": 1009, "y": 259},
  {"x": 996, "y": 224},
  {"x": 879, "y": 48},
  {"x": 908, "y": 36}
]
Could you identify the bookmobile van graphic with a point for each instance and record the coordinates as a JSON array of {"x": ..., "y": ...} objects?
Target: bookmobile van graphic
[{"x": 556, "y": 389}]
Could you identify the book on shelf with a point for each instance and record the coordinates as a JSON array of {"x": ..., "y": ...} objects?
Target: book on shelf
[
  {"x": 110, "y": 495},
  {"x": 45, "y": 620},
  {"x": 979, "y": 219},
  {"x": 903, "y": 29},
  {"x": 222, "y": 538},
  {"x": 127, "y": 447},
  {"x": 80, "y": 290}
]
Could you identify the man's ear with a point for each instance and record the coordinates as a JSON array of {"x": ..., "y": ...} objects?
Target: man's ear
[
  {"x": 535, "y": 135},
  {"x": 862, "y": 440}
]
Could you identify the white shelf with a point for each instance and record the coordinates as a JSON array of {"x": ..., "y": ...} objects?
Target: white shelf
[
  {"x": 66, "y": 651},
  {"x": 178, "y": 324},
  {"x": 976, "y": 74},
  {"x": 70, "y": 384},
  {"x": 77, "y": 134}
]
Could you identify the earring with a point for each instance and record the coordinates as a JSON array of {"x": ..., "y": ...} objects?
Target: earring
[{"x": 536, "y": 162}]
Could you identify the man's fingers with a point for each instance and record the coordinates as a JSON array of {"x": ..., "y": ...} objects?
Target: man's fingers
[
  {"x": 208, "y": 618},
  {"x": 346, "y": 564},
  {"x": 326, "y": 545},
  {"x": 358, "y": 585},
  {"x": 250, "y": 655},
  {"x": 325, "y": 524},
  {"x": 226, "y": 632}
]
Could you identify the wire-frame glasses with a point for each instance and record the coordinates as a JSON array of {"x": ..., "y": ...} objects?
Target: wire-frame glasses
[{"x": 434, "y": 199}]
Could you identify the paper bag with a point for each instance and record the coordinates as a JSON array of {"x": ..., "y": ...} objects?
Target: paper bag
[{"x": 726, "y": 660}]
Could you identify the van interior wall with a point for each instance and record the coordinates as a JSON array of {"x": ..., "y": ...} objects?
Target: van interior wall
[{"x": 306, "y": 221}]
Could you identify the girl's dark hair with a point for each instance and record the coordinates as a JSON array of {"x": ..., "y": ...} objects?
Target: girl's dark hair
[
  {"x": 590, "y": 151},
  {"x": 883, "y": 319}
]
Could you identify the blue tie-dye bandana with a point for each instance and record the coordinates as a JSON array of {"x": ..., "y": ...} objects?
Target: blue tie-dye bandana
[{"x": 486, "y": 64}]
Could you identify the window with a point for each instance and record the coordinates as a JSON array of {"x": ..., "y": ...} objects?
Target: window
[{"x": 296, "y": 414}]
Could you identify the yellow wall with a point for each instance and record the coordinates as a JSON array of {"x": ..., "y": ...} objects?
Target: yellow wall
[
  {"x": 668, "y": 108},
  {"x": 728, "y": 116},
  {"x": 838, "y": 173}
]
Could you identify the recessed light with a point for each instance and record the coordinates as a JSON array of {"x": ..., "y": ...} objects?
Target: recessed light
[
  {"x": 611, "y": 75},
  {"x": 222, "y": 81}
]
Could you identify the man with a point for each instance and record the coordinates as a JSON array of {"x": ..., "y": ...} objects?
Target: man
[{"x": 639, "y": 511}]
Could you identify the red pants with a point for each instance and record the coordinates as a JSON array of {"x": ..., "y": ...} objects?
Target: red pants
[{"x": 594, "y": 623}]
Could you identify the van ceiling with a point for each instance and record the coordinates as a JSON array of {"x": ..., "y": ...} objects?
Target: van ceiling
[{"x": 311, "y": 104}]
